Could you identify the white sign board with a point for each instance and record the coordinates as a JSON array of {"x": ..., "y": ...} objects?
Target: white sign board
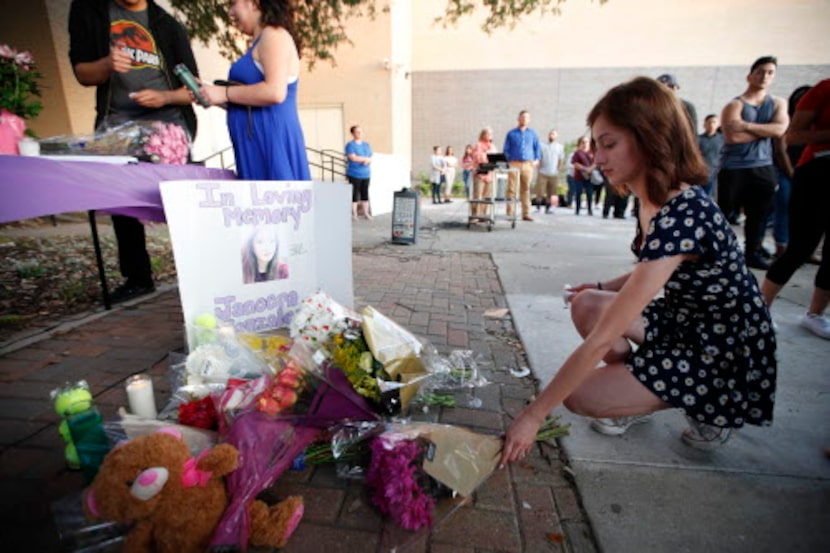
[
  {"x": 389, "y": 175},
  {"x": 249, "y": 252}
]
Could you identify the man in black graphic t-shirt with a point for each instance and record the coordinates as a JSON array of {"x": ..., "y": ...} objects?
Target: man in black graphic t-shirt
[{"x": 128, "y": 49}]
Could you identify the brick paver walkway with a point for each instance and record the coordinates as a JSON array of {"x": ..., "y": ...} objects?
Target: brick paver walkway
[{"x": 442, "y": 297}]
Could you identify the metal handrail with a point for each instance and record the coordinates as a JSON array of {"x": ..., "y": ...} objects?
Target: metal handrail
[
  {"x": 331, "y": 163},
  {"x": 221, "y": 155}
]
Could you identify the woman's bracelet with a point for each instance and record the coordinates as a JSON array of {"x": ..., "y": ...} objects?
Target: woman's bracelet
[
  {"x": 227, "y": 97},
  {"x": 599, "y": 285}
]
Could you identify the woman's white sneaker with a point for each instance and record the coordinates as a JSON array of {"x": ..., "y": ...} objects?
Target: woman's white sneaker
[
  {"x": 818, "y": 325},
  {"x": 618, "y": 425},
  {"x": 705, "y": 437}
]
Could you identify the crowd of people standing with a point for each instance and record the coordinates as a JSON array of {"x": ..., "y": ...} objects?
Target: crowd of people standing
[{"x": 758, "y": 163}]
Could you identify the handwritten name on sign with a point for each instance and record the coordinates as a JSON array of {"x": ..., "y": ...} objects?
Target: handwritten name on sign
[{"x": 255, "y": 315}]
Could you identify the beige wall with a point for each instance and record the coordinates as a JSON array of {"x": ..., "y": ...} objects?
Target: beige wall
[
  {"x": 359, "y": 83},
  {"x": 622, "y": 33}
]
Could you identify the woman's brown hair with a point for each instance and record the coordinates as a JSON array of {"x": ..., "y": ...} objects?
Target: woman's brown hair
[
  {"x": 655, "y": 116},
  {"x": 280, "y": 13}
]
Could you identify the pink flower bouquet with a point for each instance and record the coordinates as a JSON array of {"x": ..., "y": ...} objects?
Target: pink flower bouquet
[
  {"x": 395, "y": 476},
  {"x": 412, "y": 463},
  {"x": 168, "y": 141}
]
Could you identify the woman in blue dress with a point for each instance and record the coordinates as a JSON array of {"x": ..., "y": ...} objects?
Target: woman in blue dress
[
  {"x": 261, "y": 96},
  {"x": 706, "y": 345}
]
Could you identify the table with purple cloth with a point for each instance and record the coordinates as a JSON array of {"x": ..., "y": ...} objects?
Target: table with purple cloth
[{"x": 36, "y": 186}]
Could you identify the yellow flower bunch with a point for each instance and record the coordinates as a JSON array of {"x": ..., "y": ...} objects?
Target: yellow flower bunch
[
  {"x": 272, "y": 349},
  {"x": 353, "y": 357}
]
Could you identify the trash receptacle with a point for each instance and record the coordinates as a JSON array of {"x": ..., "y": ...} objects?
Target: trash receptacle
[{"x": 406, "y": 216}]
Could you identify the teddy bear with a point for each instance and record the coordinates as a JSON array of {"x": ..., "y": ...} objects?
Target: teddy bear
[{"x": 175, "y": 501}]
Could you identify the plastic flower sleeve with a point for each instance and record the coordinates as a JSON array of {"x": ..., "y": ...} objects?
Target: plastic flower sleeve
[
  {"x": 459, "y": 370},
  {"x": 397, "y": 350},
  {"x": 127, "y": 426},
  {"x": 266, "y": 449},
  {"x": 346, "y": 435},
  {"x": 317, "y": 398},
  {"x": 218, "y": 354},
  {"x": 77, "y": 533}
]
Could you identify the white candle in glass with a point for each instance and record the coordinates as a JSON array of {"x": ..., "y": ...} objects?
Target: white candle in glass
[{"x": 140, "y": 395}]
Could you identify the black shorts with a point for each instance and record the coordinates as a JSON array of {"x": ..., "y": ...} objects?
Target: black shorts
[{"x": 360, "y": 189}]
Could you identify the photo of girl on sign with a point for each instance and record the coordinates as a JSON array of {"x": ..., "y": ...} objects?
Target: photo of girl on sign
[{"x": 260, "y": 257}]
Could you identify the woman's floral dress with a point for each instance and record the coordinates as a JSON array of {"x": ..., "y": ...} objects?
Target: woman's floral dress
[{"x": 709, "y": 345}]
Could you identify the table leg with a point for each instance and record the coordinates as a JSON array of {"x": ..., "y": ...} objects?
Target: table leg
[{"x": 102, "y": 276}]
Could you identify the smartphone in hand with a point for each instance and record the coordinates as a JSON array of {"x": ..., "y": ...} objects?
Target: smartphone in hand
[{"x": 188, "y": 80}]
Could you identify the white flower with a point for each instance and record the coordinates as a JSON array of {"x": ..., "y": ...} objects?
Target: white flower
[{"x": 7, "y": 51}]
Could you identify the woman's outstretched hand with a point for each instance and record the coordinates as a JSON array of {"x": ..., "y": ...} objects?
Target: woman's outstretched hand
[{"x": 520, "y": 438}]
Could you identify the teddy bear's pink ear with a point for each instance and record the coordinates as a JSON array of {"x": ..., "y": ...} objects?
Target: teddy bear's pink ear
[
  {"x": 175, "y": 432},
  {"x": 91, "y": 504},
  {"x": 149, "y": 483}
]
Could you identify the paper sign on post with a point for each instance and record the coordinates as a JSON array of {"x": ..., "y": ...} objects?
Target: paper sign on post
[{"x": 249, "y": 252}]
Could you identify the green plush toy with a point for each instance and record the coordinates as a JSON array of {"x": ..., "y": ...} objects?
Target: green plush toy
[{"x": 69, "y": 400}]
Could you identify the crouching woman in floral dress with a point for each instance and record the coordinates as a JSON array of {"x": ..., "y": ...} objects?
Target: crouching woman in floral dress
[{"x": 707, "y": 345}]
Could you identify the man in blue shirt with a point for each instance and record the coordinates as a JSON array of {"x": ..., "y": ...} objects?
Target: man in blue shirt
[{"x": 522, "y": 149}]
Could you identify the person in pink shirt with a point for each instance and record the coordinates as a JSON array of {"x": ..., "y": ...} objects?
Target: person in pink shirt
[
  {"x": 483, "y": 177},
  {"x": 468, "y": 163}
]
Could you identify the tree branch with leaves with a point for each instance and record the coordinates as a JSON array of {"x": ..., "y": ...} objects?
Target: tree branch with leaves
[{"x": 321, "y": 24}]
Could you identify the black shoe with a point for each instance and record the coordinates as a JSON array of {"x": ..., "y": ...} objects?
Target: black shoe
[
  {"x": 755, "y": 261},
  {"x": 128, "y": 291},
  {"x": 447, "y": 201}
]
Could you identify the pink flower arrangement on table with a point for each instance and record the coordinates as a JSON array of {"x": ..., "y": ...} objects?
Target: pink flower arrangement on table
[{"x": 168, "y": 141}]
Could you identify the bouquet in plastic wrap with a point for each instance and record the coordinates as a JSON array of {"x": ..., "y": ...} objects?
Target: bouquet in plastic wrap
[
  {"x": 271, "y": 420},
  {"x": 217, "y": 355},
  {"x": 379, "y": 358},
  {"x": 266, "y": 449},
  {"x": 155, "y": 141},
  {"x": 219, "y": 360},
  {"x": 414, "y": 464},
  {"x": 318, "y": 398}
]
